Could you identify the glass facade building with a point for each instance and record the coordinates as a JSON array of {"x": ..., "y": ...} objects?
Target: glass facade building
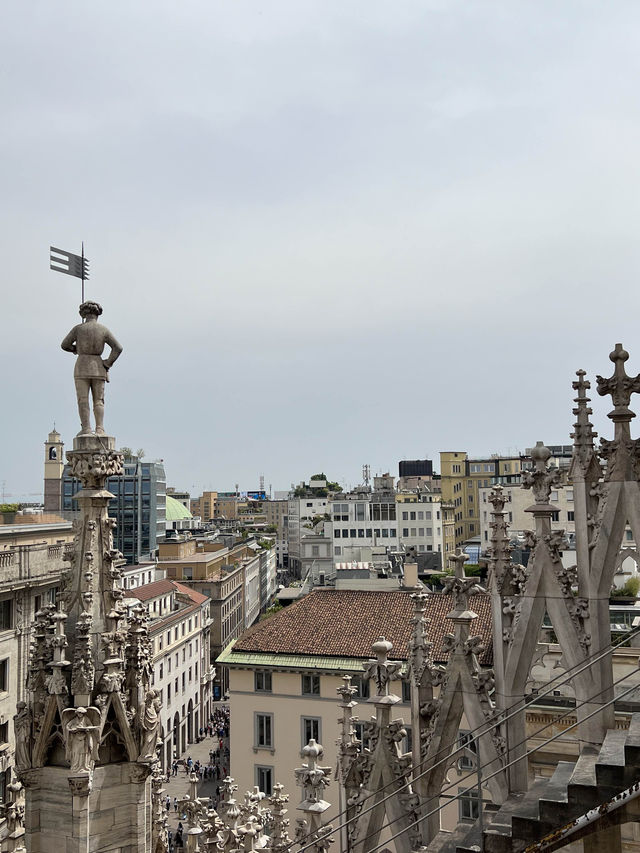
[{"x": 138, "y": 506}]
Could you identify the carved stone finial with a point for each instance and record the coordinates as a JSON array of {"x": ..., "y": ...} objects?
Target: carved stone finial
[
  {"x": 620, "y": 386},
  {"x": 583, "y": 434},
  {"x": 461, "y": 586},
  {"x": 312, "y": 778},
  {"x": 382, "y": 670},
  {"x": 497, "y": 498},
  {"x": 541, "y": 480},
  {"x": 458, "y": 558}
]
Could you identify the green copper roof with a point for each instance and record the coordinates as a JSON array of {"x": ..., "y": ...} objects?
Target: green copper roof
[
  {"x": 176, "y": 511},
  {"x": 285, "y": 661}
]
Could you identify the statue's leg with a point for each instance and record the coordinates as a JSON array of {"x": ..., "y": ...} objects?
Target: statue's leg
[
  {"x": 97, "y": 391},
  {"x": 82, "y": 393}
]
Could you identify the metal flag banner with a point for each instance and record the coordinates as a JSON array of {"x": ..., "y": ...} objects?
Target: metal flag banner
[{"x": 70, "y": 264}]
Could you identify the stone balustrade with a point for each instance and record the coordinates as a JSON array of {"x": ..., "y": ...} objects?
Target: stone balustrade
[{"x": 31, "y": 563}]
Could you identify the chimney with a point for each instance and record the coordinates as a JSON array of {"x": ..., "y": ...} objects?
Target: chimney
[{"x": 410, "y": 579}]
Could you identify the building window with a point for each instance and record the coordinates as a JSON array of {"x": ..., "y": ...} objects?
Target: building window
[
  {"x": 362, "y": 686},
  {"x": 4, "y": 732},
  {"x": 406, "y": 691},
  {"x": 264, "y": 730},
  {"x": 359, "y": 729},
  {"x": 570, "y": 515},
  {"x": 262, "y": 681},
  {"x": 405, "y": 531},
  {"x": 465, "y": 761},
  {"x": 4, "y": 675},
  {"x": 264, "y": 779},
  {"x": 6, "y": 615},
  {"x": 311, "y": 729},
  {"x": 468, "y": 804},
  {"x": 310, "y": 685}
]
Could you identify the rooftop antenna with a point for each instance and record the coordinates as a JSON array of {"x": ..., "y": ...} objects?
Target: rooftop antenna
[
  {"x": 69, "y": 264},
  {"x": 366, "y": 474}
]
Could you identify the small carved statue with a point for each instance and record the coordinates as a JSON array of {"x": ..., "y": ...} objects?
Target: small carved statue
[
  {"x": 150, "y": 725},
  {"x": 22, "y": 729},
  {"x": 82, "y": 736},
  {"x": 87, "y": 340}
]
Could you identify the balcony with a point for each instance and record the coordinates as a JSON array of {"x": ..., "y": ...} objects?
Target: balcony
[{"x": 32, "y": 564}]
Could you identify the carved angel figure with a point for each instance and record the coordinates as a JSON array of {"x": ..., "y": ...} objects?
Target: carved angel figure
[{"x": 82, "y": 732}]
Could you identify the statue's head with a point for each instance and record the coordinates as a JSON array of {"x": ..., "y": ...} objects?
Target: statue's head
[{"x": 88, "y": 309}]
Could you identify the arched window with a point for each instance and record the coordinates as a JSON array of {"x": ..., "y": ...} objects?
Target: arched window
[{"x": 53, "y": 453}]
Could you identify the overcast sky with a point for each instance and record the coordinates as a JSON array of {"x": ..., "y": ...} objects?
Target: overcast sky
[{"x": 326, "y": 233}]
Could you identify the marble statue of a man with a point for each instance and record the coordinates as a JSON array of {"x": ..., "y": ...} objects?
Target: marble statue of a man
[
  {"x": 87, "y": 340},
  {"x": 83, "y": 737}
]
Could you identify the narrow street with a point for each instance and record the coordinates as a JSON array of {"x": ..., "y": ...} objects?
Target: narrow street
[{"x": 178, "y": 785}]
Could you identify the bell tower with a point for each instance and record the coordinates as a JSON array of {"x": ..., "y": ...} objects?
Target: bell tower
[{"x": 53, "y": 467}]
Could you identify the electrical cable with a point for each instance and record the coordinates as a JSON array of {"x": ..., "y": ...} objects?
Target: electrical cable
[
  {"x": 522, "y": 757},
  {"x": 511, "y": 711},
  {"x": 518, "y": 708}
]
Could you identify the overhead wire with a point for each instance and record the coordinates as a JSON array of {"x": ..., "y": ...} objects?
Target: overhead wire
[
  {"x": 516, "y": 708},
  {"x": 522, "y": 757}
]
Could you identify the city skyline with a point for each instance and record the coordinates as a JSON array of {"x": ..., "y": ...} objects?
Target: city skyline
[{"x": 324, "y": 235}]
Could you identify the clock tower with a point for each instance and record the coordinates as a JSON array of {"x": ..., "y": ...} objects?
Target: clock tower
[{"x": 53, "y": 467}]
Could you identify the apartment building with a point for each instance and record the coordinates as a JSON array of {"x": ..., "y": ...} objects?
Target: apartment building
[
  {"x": 276, "y": 516},
  {"x": 179, "y": 628},
  {"x": 219, "y": 573},
  {"x": 284, "y": 674},
  {"x": 362, "y": 521},
  {"x": 205, "y": 507},
  {"x": 461, "y": 479},
  {"x": 302, "y": 511},
  {"x": 32, "y": 557}
]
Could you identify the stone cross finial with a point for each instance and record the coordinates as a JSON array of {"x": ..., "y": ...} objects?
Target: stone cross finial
[
  {"x": 458, "y": 558},
  {"x": 382, "y": 670},
  {"x": 461, "y": 586},
  {"x": 619, "y": 386}
]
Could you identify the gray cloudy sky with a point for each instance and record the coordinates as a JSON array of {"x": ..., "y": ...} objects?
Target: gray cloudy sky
[{"x": 326, "y": 233}]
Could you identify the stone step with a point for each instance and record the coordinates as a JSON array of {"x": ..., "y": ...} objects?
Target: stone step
[
  {"x": 553, "y": 803},
  {"x": 545, "y": 811},
  {"x": 632, "y": 743},
  {"x": 582, "y": 789},
  {"x": 610, "y": 766},
  {"x": 497, "y": 838},
  {"x": 447, "y": 842}
]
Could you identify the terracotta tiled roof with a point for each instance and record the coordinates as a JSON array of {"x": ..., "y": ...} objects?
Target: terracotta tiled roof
[
  {"x": 152, "y": 590},
  {"x": 194, "y": 595},
  {"x": 345, "y": 623}
]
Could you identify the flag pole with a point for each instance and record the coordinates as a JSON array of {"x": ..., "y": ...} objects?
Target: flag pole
[{"x": 83, "y": 270}]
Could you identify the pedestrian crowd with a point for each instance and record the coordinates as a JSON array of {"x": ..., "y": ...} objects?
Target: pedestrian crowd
[{"x": 217, "y": 769}]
